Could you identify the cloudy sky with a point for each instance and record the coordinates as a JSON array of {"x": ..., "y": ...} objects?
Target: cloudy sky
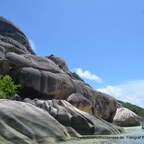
[{"x": 101, "y": 40}]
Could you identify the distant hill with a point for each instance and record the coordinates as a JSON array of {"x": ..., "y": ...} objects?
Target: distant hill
[{"x": 136, "y": 109}]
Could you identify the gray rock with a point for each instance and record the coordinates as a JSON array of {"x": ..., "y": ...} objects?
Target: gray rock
[
  {"x": 60, "y": 63},
  {"x": 125, "y": 117},
  {"x": 47, "y": 77},
  {"x": 80, "y": 121},
  {"x": 28, "y": 60},
  {"x": 11, "y": 45},
  {"x": 4, "y": 66},
  {"x": 9, "y": 30},
  {"x": 24, "y": 123},
  {"x": 15, "y": 97},
  {"x": 80, "y": 102},
  {"x": 45, "y": 84}
]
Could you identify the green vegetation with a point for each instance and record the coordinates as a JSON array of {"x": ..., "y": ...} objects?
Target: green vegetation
[
  {"x": 7, "y": 87},
  {"x": 136, "y": 109}
]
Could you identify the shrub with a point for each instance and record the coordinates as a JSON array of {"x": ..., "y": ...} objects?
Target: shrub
[{"x": 7, "y": 87}]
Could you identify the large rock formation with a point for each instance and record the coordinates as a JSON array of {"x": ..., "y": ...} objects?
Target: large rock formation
[
  {"x": 68, "y": 115},
  {"x": 23, "y": 123},
  {"x": 47, "y": 77},
  {"x": 37, "y": 121},
  {"x": 125, "y": 117}
]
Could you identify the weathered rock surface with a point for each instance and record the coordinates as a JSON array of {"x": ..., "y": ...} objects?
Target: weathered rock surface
[
  {"x": 79, "y": 101},
  {"x": 125, "y": 117},
  {"x": 23, "y": 123},
  {"x": 38, "y": 121},
  {"x": 13, "y": 38},
  {"x": 47, "y": 77},
  {"x": 70, "y": 116}
]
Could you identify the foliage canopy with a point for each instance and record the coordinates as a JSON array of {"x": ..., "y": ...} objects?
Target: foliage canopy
[{"x": 7, "y": 86}]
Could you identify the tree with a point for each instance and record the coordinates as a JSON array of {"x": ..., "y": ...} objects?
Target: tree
[{"x": 7, "y": 86}]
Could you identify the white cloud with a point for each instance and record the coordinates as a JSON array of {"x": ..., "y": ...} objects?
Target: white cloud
[
  {"x": 131, "y": 91},
  {"x": 32, "y": 44},
  {"x": 87, "y": 75},
  {"x": 111, "y": 90}
]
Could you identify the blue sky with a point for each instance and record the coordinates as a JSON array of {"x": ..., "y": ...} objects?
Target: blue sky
[{"x": 101, "y": 40}]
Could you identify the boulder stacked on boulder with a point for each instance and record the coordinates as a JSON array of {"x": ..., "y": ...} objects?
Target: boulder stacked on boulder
[
  {"x": 47, "y": 77},
  {"x": 69, "y": 116},
  {"x": 62, "y": 96}
]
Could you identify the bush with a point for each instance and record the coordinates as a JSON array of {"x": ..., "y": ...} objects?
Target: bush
[{"x": 7, "y": 87}]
